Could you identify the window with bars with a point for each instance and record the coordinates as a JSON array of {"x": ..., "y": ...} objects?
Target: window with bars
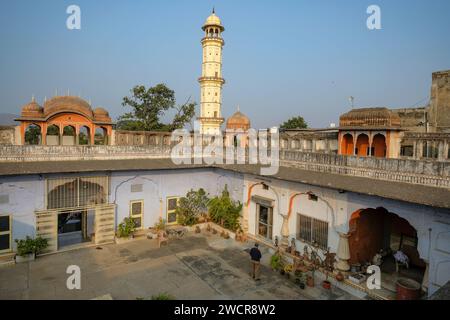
[
  {"x": 313, "y": 231},
  {"x": 77, "y": 192}
]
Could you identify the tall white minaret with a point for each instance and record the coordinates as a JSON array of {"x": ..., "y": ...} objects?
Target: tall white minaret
[{"x": 211, "y": 80}]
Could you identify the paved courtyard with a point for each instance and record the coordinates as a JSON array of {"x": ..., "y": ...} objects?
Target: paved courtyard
[{"x": 199, "y": 266}]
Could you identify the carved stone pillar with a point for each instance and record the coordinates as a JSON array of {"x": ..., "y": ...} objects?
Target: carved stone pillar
[{"x": 343, "y": 252}]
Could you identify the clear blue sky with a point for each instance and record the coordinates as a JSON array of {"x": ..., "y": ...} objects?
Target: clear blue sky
[{"x": 281, "y": 58}]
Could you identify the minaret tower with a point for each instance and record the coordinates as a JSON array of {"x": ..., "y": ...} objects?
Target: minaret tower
[{"x": 211, "y": 80}]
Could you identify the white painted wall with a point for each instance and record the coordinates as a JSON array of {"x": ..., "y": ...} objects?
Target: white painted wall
[{"x": 26, "y": 194}]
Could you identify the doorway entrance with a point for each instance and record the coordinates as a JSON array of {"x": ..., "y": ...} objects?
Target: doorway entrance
[
  {"x": 74, "y": 227},
  {"x": 378, "y": 231},
  {"x": 264, "y": 221}
]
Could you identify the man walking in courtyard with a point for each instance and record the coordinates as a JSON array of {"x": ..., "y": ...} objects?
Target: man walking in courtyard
[{"x": 255, "y": 256}]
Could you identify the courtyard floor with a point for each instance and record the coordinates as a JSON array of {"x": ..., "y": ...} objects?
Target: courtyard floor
[{"x": 198, "y": 266}]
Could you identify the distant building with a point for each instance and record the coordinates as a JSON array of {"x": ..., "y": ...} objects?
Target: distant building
[{"x": 64, "y": 120}]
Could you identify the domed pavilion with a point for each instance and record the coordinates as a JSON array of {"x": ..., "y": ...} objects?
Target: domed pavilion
[{"x": 64, "y": 120}]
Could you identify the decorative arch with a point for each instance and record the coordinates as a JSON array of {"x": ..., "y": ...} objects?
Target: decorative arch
[
  {"x": 362, "y": 147},
  {"x": 52, "y": 136},
  {"x": 84, "y": 135},
  {"x": 33, "y": 134},
  {"x": 69, "y": 134},
  {"x": 379, "y": 145},
  {"x": 372, "y": 230},
  {"x": 100, "y": 136},
  {"x": 347, "y": 146}
]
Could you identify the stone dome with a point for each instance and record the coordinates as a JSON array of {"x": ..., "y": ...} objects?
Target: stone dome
[
  {"x": 213, "y": 20},
  {"x": 100, "y": 114},
  {"x": 238, "y": 121},
  {"x": 369, "y": 117},
  {"x": 32, "y": 109},
  {"x": 67, "y": 104}
]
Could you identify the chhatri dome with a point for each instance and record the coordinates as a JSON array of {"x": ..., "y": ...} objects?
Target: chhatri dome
[
  {"x": 213, "y": 20},
  {"x": 238, "y": 121}
]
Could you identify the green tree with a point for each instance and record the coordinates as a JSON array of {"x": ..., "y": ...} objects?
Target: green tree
[
  {"x": 149, "y": 105},
  {"x": 224, "y": 211},
  {"x": 191, "y": 207},
  {"x": 294, "y": 123}
]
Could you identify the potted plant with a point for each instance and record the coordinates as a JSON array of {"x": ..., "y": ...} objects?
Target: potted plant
[
  {"x": 28, "y": 248},
  {"x": 197, "y": 229},
  {"x": 300, "y": 279},
  {"x": 126, "y": 229},
  {"x": 275, "y": 261},
  {"x": 288, "y": 269},
  {"x": 325, "y": 283}
]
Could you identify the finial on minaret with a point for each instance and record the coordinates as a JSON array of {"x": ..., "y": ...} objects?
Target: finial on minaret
[
  {"x": 214, "y": 11},
  {"x": 239, "y": 109},
  {"x": 45, "y": 99},
  {"x": 32, "y": 98}
]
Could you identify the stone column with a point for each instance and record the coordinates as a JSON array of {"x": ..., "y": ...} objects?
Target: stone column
[
  {"x": 343, "y": 252},
  {"x": 285, "y": 232},
  {"x": 419, "y": 153}
]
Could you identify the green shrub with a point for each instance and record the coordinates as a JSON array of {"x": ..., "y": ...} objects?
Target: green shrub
[
  {"x": 275, "y": 262},
  {"x": 29, "y": 245},
  {"x": 225, "y": 211},
  {"x": 161, "y": 224},
  {"x": 191, "y": 207},
  {"x": 126, "y": 228},
  {"x": 163, "y": 296}
]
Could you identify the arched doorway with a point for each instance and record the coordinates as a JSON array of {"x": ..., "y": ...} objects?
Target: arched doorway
[
  {"x": 379, "y": 145},
  {"x": 84, "y": 136},
  {"x": 68, "y": 138},
  {"x": 33, "y": 134},
  {"x": 52, "y": 136},
  {"x": 347, "y": 144},
  {"x": 362, "y": 145},
  {"x": 372, "y": 231}
]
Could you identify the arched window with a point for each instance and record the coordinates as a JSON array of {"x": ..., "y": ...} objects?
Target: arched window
[
  {"x": 347, "y": 144},
  {"x": 84, "y": 136},
  {"x": 362, "y": 145},
  {"x": 379, "y": 146},
  {"x": 100, "y": 136},
  {"x": 33, "y": 134},
  {"x": 68, "y": 138},
  {"x": 52, "y": 137}
]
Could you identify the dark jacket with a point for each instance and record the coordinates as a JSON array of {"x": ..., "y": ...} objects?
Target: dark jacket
[{"x": 255, "y": 254}]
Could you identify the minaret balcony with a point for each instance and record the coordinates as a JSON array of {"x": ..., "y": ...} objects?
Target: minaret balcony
[
  {"x": 211, "y": 119},
  {"x": 213, "y": 38},
  {"x": 214, "y": 79}
]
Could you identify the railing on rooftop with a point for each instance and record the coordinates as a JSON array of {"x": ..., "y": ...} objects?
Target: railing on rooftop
[{"x": 431, "y": 173}]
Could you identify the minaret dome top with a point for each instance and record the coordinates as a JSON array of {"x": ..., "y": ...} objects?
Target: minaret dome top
[{"x": 213, "y": 20}]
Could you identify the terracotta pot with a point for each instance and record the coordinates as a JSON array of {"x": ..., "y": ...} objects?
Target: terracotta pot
[
  {"x": 340, "y": 277},
  {"x": 408, "y": 289},
  {"x": 326, "y": 284}
]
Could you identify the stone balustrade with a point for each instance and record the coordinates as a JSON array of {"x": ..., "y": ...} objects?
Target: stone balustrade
[
  {"x": 13, "y": 153},
  {"x": 431, "y": 173}
]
